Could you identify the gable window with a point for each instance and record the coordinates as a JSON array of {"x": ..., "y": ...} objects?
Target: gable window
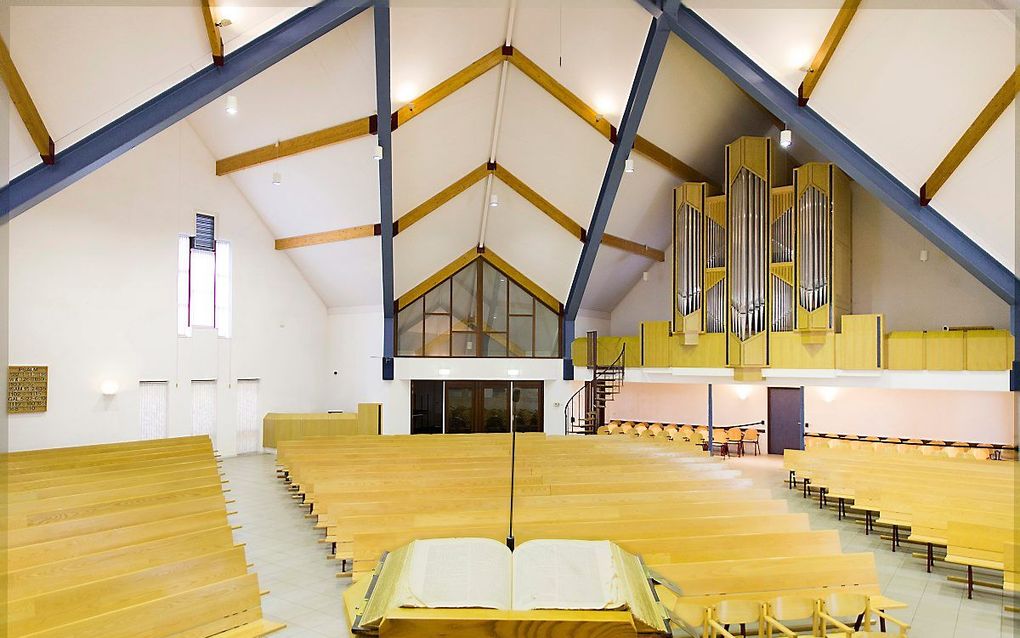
[
  {"x": 203, "y": 280},
  {"x": 479, "y": 311}
]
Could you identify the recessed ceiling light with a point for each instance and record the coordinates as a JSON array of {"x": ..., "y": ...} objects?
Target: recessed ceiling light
[{"x": 232, "y": 104}]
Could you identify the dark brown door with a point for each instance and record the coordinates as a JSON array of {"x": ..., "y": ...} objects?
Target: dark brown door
[
  {"x": 527, "y": 406},
  {"x": 426, "y": 407},
  {"x": 494, "y": 406},
  {"x": 461, "y": 415},
  {"x": 785, "y": 429}
]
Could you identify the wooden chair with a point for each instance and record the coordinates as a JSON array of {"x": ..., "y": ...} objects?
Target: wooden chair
[
  {"x": 603, "y": 429},
  {"x": 736, "y": 435},
  {"x": 735, "y": 612},
  {"x": 670, "y": 427},
  {"x": 845, "y": 604},
  {"x": 786, "y": 609},
  {"x": 686, "y": 430},
  {"x": 721, "y": 441},
  {"x": 751, "y": 437}
]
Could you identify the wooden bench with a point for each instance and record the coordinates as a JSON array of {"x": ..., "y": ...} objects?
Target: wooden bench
[{"x": 124, "y": 540}]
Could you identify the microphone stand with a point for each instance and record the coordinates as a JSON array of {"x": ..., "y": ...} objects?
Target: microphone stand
[{"x": 513, "y": 456}]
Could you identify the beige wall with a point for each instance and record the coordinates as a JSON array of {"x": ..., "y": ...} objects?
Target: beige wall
[
  {"x": 890, "y": 278},
  {"x": 955, "y": 415}
]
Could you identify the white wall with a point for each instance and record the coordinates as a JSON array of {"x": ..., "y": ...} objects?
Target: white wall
[
  {"x": 646, "y": 301},
  {"x": 93, "y": 296},
  {"x": 354, "y": 347}
]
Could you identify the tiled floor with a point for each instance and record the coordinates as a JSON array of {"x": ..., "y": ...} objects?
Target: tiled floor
[{"x": 305, "y": 592}]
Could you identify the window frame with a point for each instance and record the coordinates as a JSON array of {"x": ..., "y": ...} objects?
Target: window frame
[{"x": 479, "y": 330}]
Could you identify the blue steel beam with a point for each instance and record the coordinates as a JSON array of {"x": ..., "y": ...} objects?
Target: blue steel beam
[
  {"x": 384, "y": 133},
  {"x": 172, "y": 105},
  {"x": 817, "y": 132},
  {"x": 1014, "y": 323},
  {"x": 648, "y": 65}
]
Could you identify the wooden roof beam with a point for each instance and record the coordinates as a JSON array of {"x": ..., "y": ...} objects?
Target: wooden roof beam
[
  {"x": 600, "y": 124},
  {"x": 985, "y": 119},
  {"x": 212, "y": 30},
  {"x": 362, "y": 126},
  {"x": 25, "y": 106},
  {"x": 825, "y": 51},
  {"x": 329, "y": 236}
]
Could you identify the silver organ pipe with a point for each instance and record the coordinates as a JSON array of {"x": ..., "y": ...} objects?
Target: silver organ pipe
[
  {"x": 816, "y": 248},
  {"x": 748, "y": 255},
  {"x": 690, "y": 259}
]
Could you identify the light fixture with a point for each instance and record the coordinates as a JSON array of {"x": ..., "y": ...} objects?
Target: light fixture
[
  {"x": 277, "y": 178},
  {"x": 785, "y": 138},
  {"x": 743, "y": 391},
  {"x": 232, "y": 105},
  {"x": 443, "y": 372},
  {"x": 513, "y": 372},
  {"x": 494, "y": 201},
  {"x": 628, "y": 165},
  {"x": 924, "y": 254},
  {"x": 644, "y": 276},
  {"x": 224, "y": 23},
  {"x": 603, "y": 106},
  {"x": 109, "y": 388},
  {"x": 828, "y": 394},
  {"x": 378, "y": 152},
  {"x": 799, "y": 57}
]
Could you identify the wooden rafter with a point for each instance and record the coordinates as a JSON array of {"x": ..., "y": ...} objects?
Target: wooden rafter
[
  {"x": 984, "y": 121},
  {"x": 420, "y": 211},
  {"x": 600, "y": 124},
  {"x": 825, "y": 51},
  {"x": 438, "y": 277},
  {"x": 295, "y": 145},
  {"x": 362, "y": 126},
  {"x": 417, "y": 106},
  {"x": 328, "y": 237},
  {"x": 25, "y": 106},
  {"x": 212, "y": 29}
]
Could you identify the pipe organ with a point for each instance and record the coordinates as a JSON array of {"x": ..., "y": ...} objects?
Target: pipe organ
[
  {"x": 748, "y": 212},
  {"x": 761, "y": 260},
  {"x": 823, "y": 256}
]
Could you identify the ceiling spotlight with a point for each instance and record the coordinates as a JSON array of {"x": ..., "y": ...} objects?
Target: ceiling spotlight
[
  {"x": 785, "y": 138},
  {"x": 644, "y": 276},
  {"x": 232, "y": 104},
  {"x": 378, "y": 153},
  {"x": 494, "y": 201},
  {"x": 277, "y": 178},
  {"x": 225, "y": 22},
  {"x": 628, "y": 165}
]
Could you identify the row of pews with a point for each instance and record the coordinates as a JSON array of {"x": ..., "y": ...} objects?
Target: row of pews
[
  {"x": 723, "y": 545},
  {"x": 124, "y": 540},
  {"x": 964, "y": 505}
]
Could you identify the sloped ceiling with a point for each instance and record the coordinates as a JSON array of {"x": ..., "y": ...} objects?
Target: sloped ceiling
[{"x": 903, "y": 85}]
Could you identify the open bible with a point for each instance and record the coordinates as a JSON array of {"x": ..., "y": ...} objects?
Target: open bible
[{"x": 481, "y": 573}]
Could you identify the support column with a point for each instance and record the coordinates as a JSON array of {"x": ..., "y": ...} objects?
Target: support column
[
  {"x": 711, "y": 421},
  {"x": 384, "y": 133}
]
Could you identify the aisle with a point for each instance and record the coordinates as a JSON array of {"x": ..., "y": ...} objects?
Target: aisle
[{"x": 304, "y": 591}]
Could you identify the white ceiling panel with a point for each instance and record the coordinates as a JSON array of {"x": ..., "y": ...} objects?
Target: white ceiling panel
[
  {"x": 590, "y": 46},
  {"x": 537, "y": 246},
  {"x": 982, "y": 192},
  {"x": 248, "y": 20},
  {"x": 444, "y": 143},
  {"x": 447, "y": 233},
  {"x": 333, "y": 187},
  {"x": 550, "y": 149},
  {"x": 346, "y": 273},
  {"x": 431, "y": 41},
  {"x": 330, "y": 81},
  {"x": 694, "y": 110},
  {"x": 642, "y": 210},
  {"x": 615, "y": 273},
  {"x": 22, "y": 153}
]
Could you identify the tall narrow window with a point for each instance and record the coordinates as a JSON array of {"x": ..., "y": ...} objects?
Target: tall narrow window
[
  {"x": 204, "y": 273},
  {"x": 152, "y": 402},
  {"x": 248, "y": 429},
  {"x": 203, "y": 408}
]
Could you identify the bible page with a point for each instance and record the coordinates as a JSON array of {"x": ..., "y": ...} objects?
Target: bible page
[
  {"x": 565, "y": 574},
  {"x": 457, "y": 572}
]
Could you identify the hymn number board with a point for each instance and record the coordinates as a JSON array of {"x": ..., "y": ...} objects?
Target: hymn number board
[{"x": 26, "y": 389}]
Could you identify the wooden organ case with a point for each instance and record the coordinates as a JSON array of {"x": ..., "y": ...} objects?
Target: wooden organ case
[
  {"x": 748, "y": 229},
  {"x": 823, "y": 278},
  {"x": 761, "y": 262}
]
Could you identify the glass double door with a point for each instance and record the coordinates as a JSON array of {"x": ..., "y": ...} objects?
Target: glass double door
[{"x": 491, "y": 406}]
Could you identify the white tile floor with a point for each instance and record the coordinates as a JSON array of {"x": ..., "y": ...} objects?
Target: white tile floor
[{"x": 305, "y": 592}]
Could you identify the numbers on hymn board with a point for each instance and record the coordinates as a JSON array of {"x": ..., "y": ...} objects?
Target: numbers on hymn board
[{"x": 26, "y": 389}]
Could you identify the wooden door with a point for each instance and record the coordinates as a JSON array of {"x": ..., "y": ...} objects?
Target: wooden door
[{"x": 785, "y": 430}]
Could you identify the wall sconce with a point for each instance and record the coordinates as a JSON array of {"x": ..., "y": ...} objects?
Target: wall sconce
[
  {"x": 513, "y": 372},
  {"x": 109, "y": 388},
  {"x": 443, "y": 372},
  {"x": 828, "y": 394},
  {"x": 743, "y": 391}
]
